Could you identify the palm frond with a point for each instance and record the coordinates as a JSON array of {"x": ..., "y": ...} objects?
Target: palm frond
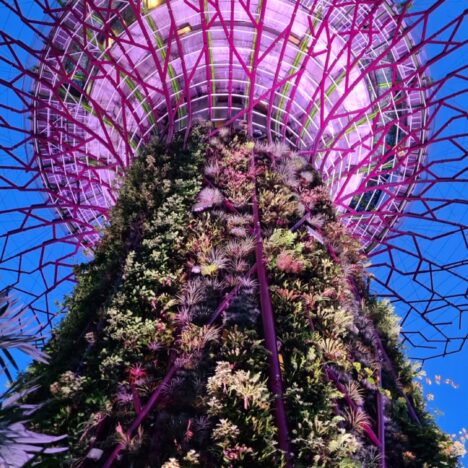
[
  {"x": 19, "y": 445},
  {"x": 17, "y": 333}
]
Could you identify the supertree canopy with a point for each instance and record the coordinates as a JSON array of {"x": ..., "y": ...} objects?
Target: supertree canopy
[
  {"x": 263, "y": 151},
  {"x": 346, "y": 83}
]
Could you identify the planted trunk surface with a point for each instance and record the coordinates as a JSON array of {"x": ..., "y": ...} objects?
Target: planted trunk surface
[{"x": 224, "y": 321}]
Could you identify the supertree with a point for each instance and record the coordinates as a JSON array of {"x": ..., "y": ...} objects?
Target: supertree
[{"x": 345, "y": 84}]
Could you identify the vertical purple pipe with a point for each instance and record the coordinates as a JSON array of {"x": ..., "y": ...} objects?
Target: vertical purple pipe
[
  {"x": 142, "y": 414},
  {"x": 381, "y": 422},
  {"x": 276, "y": 384}
]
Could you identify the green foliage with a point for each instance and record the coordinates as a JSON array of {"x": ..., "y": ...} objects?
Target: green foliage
[{"x": 179, "y": 245}]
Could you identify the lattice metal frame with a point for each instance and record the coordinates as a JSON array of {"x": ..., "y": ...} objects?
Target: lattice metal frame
[{"x": 344, "y": 82}]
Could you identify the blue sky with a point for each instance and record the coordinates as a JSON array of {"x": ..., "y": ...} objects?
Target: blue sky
[{"x": 453, "y": 402}]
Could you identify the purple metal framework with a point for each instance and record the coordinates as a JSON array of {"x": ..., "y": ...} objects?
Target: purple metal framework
[{"x": 344, "y": 82}]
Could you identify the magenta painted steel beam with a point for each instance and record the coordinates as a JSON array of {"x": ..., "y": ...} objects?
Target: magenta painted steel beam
[{"x": 269, "y": 330}]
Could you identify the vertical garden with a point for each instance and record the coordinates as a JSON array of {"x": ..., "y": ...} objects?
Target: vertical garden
[{"x": 225, "y": 320}]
